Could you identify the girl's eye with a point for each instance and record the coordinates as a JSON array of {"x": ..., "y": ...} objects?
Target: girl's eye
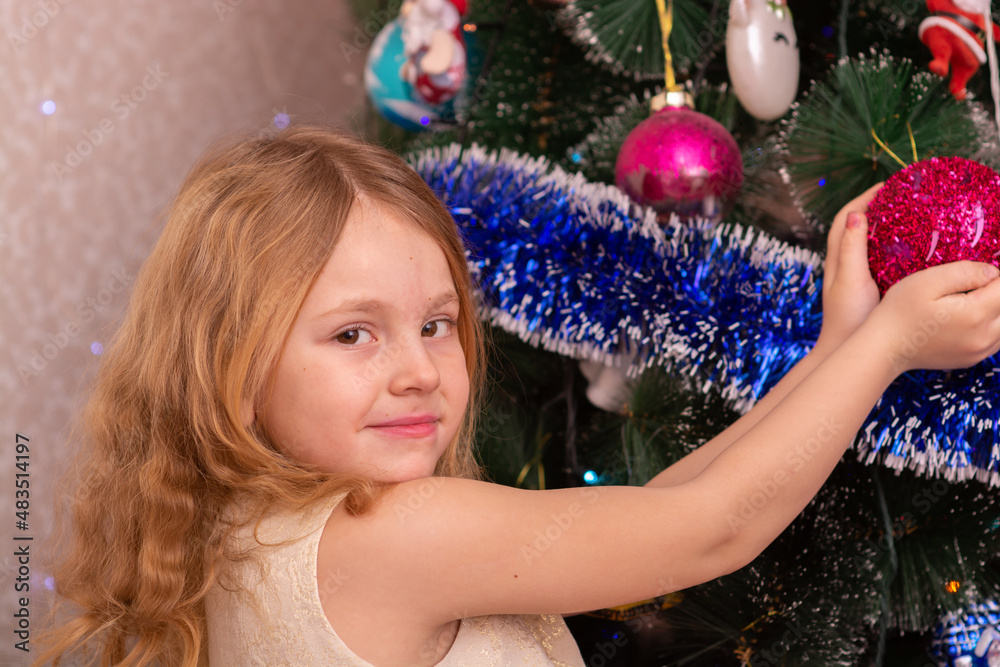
[
  {"x": 353, "y": 337},
  {"x": 438, "y": 328}
]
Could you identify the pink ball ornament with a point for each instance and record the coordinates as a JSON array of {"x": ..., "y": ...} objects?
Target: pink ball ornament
[
  {"x": 933, "y": 212},
  {"x": 681, "y": 161}
]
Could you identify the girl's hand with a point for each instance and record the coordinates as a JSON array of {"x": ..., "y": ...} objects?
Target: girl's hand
[
  {"x": 943, "y": 317},
  {"x": 849, "y": 292}
]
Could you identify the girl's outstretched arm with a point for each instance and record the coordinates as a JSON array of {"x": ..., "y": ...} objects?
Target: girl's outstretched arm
[
  {"x": 849, "y": 295},
  {"x": 440, "y": 549}
]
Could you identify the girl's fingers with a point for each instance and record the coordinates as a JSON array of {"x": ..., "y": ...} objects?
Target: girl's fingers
[
  {"x": 861, "y": 203},
  {"x": 989, "y": 294},
  {"x": 955, "y": 277},
  {"x": 853, "y": 258},
  {"x": 833, "y": 246}
]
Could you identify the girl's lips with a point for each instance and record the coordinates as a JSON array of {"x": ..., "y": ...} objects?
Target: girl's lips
[
  {"x": 406, "y": 420},
  {"x": 418, "y": 430},
  {"x": 409, "y": 426}
]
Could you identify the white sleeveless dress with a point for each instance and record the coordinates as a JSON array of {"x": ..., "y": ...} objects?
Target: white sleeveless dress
[{"x": 280, "y": 620}]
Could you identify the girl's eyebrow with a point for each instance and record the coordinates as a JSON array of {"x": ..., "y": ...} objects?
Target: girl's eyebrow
[{"x": 374, "y": 305}]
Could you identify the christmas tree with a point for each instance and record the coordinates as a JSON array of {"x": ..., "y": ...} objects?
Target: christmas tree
[{"x": 623, "y": 338}]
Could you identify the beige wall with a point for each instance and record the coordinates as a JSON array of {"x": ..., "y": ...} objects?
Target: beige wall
[{"x": 140, "y": 89}]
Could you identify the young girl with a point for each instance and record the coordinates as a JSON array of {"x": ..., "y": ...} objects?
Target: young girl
[{"x": 279, "y": 468}]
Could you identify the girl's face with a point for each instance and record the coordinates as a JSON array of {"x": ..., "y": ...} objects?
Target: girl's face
[{"x": 373, "y": 377}]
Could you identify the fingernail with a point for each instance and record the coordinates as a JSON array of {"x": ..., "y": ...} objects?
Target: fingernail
[
  {"x": 990, "y": 272},
  {"x": 853, "y": 219}
]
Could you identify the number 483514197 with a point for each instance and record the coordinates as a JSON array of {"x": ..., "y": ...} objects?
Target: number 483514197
[{"x": 22, "y": 459}]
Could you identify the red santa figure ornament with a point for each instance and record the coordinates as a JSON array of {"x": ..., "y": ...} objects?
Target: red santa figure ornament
[
  {"x": 956, "y": 35},
  {"x": 434, "y": 47}
]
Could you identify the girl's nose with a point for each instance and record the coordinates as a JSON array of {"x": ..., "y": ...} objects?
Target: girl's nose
[{"x": 414, "y": 369}]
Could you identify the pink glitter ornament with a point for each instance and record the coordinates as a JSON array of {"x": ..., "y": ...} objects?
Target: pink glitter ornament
[
  {"x": 933, "y": 212},
  {"x": 681, "y": 161}
]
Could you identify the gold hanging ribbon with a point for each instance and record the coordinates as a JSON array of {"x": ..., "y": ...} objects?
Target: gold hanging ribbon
[
  {"x": 913, "y": 142},
  {"x": 769, "y": 614},
  {"x": 666, "y": 10},
  {"x": 913, "y": 145},
  {"x": 527, "y": 468},
  {"x": 535, "y": 461},
  {"x": 889, "y": 150}
]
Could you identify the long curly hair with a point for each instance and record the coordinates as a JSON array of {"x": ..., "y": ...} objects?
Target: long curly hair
[{"x": 166, "y": 444}]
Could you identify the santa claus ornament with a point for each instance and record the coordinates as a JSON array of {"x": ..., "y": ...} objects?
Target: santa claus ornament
[
  {"x": 959, "y": 34},
  {"x": 434, "y": 47}
]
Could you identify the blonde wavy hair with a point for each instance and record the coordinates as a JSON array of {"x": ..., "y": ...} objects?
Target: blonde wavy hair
[{"x": 166, "y": 448}]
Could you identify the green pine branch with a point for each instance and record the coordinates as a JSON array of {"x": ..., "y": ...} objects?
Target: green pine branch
[
  {"x": 625, "y": 35},
  {"x": 860, "y": 126}
]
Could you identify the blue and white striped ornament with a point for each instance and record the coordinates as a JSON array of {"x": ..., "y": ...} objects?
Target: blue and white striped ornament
[{"x": 970, "y": 638}]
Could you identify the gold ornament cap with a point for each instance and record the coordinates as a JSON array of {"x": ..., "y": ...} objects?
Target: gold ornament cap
[{"x": 671, "y": 98}]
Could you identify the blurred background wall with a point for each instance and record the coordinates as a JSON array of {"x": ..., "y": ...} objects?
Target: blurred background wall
[{"x": 105, "y": 104}]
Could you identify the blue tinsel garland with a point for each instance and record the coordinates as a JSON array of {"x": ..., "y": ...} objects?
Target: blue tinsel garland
[{"x": 576, "y": 268}]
